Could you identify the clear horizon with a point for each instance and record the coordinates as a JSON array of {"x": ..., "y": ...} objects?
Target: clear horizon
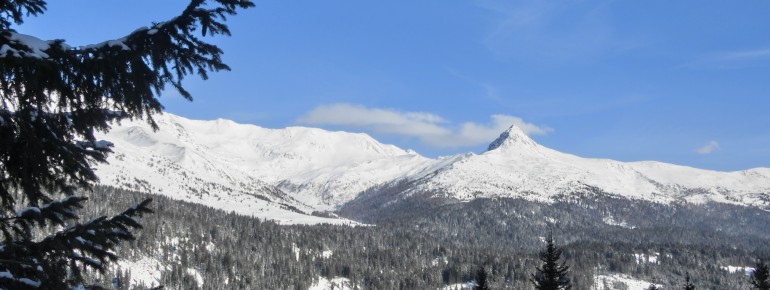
[{"x": 682, "y": 83}]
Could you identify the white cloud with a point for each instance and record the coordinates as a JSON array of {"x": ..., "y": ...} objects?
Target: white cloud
[
  {"x": 380, "y": 120},
  {"x": 732, "y": 59},
  {"x": 430, "y": 129},
  {"x": 747, "y": 55},
  {"x": 708, "y": 148}
]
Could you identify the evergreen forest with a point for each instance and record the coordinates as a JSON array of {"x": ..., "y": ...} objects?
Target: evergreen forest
[{"x": 197, "y": 247}]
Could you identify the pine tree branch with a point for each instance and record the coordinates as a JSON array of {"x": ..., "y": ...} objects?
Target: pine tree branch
[
  {"x": 53, "y": 98},
  {"x": 125, "y": 75},
  {"x": 88, "y": 245},
  {"x": 14, "y": 11}
]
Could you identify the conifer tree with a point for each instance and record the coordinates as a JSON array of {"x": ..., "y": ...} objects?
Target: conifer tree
[
  {"x": 760, "y": 278},
  {"x": 481, "y": 279},
  {"x": 687, "y": 283},
  {"x": 551, "y": 275},
  {"x": 52, "y": 98},
  {"x": 653, "y": 287}
]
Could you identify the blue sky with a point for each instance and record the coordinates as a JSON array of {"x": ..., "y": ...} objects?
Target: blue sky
[{"x": 685, "y": 82}]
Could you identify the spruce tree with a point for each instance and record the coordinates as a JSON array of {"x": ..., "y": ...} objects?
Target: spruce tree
[
  {"x": 481, "y": 279},
  {"x": 760, "y": 278},
  {"x": 652, "y": 287},
  {"x": 54, "y": 96},
  {"x": 687, "y": 283},
  {"x": 551, "y": 275}
]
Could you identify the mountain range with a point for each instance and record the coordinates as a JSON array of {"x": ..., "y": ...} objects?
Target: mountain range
[{"x": 293, "y": 174}]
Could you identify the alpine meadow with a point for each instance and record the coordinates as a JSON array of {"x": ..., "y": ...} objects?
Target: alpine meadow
[{"x": 340, "y": 145}]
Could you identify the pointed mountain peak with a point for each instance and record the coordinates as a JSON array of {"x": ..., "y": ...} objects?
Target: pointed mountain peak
[{"x": 514, "y": 136}]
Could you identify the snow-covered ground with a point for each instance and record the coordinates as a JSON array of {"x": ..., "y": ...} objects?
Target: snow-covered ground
[
  {"x": 197, "y": 275},
  {"x": 144, "y": 271},
  {"x": 611, "y": 221},
  {"x": 613, "y": 281},
  {"x": 147, "y": 270},
  {"x": 336, "y": 283},
  {"x": 739, "y": 269},
  {"x": 459, "y": 286},
  {"x": 645, "y": 258}
]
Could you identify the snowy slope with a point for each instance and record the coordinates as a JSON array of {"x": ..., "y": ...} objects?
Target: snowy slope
[
  {"x": 250, "y": 169},
  {"x": 616, "y": 281},
  {"x": 516, "y": 166},
  {"x": 338, "y": 283},
  {"x": 287, "y": 173}
]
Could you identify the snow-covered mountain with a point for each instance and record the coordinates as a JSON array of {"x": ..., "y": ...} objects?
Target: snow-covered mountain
[
  {"x": 288, "y": 173},
  {"x": 276, "y": 173},
  {"x": 516, "y": 166}
]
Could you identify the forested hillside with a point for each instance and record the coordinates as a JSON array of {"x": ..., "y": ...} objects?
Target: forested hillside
[{"x": 191, "y": 246}]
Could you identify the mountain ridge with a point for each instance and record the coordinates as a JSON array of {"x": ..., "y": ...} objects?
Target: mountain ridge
[{"x": 292, "y": 172}]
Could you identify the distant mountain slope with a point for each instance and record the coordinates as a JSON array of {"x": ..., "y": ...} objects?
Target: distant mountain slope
[
  {"x": 250, "y": 169},
  {"x": 289, "y": 173},
  {"x": 516, "y": 166}
]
